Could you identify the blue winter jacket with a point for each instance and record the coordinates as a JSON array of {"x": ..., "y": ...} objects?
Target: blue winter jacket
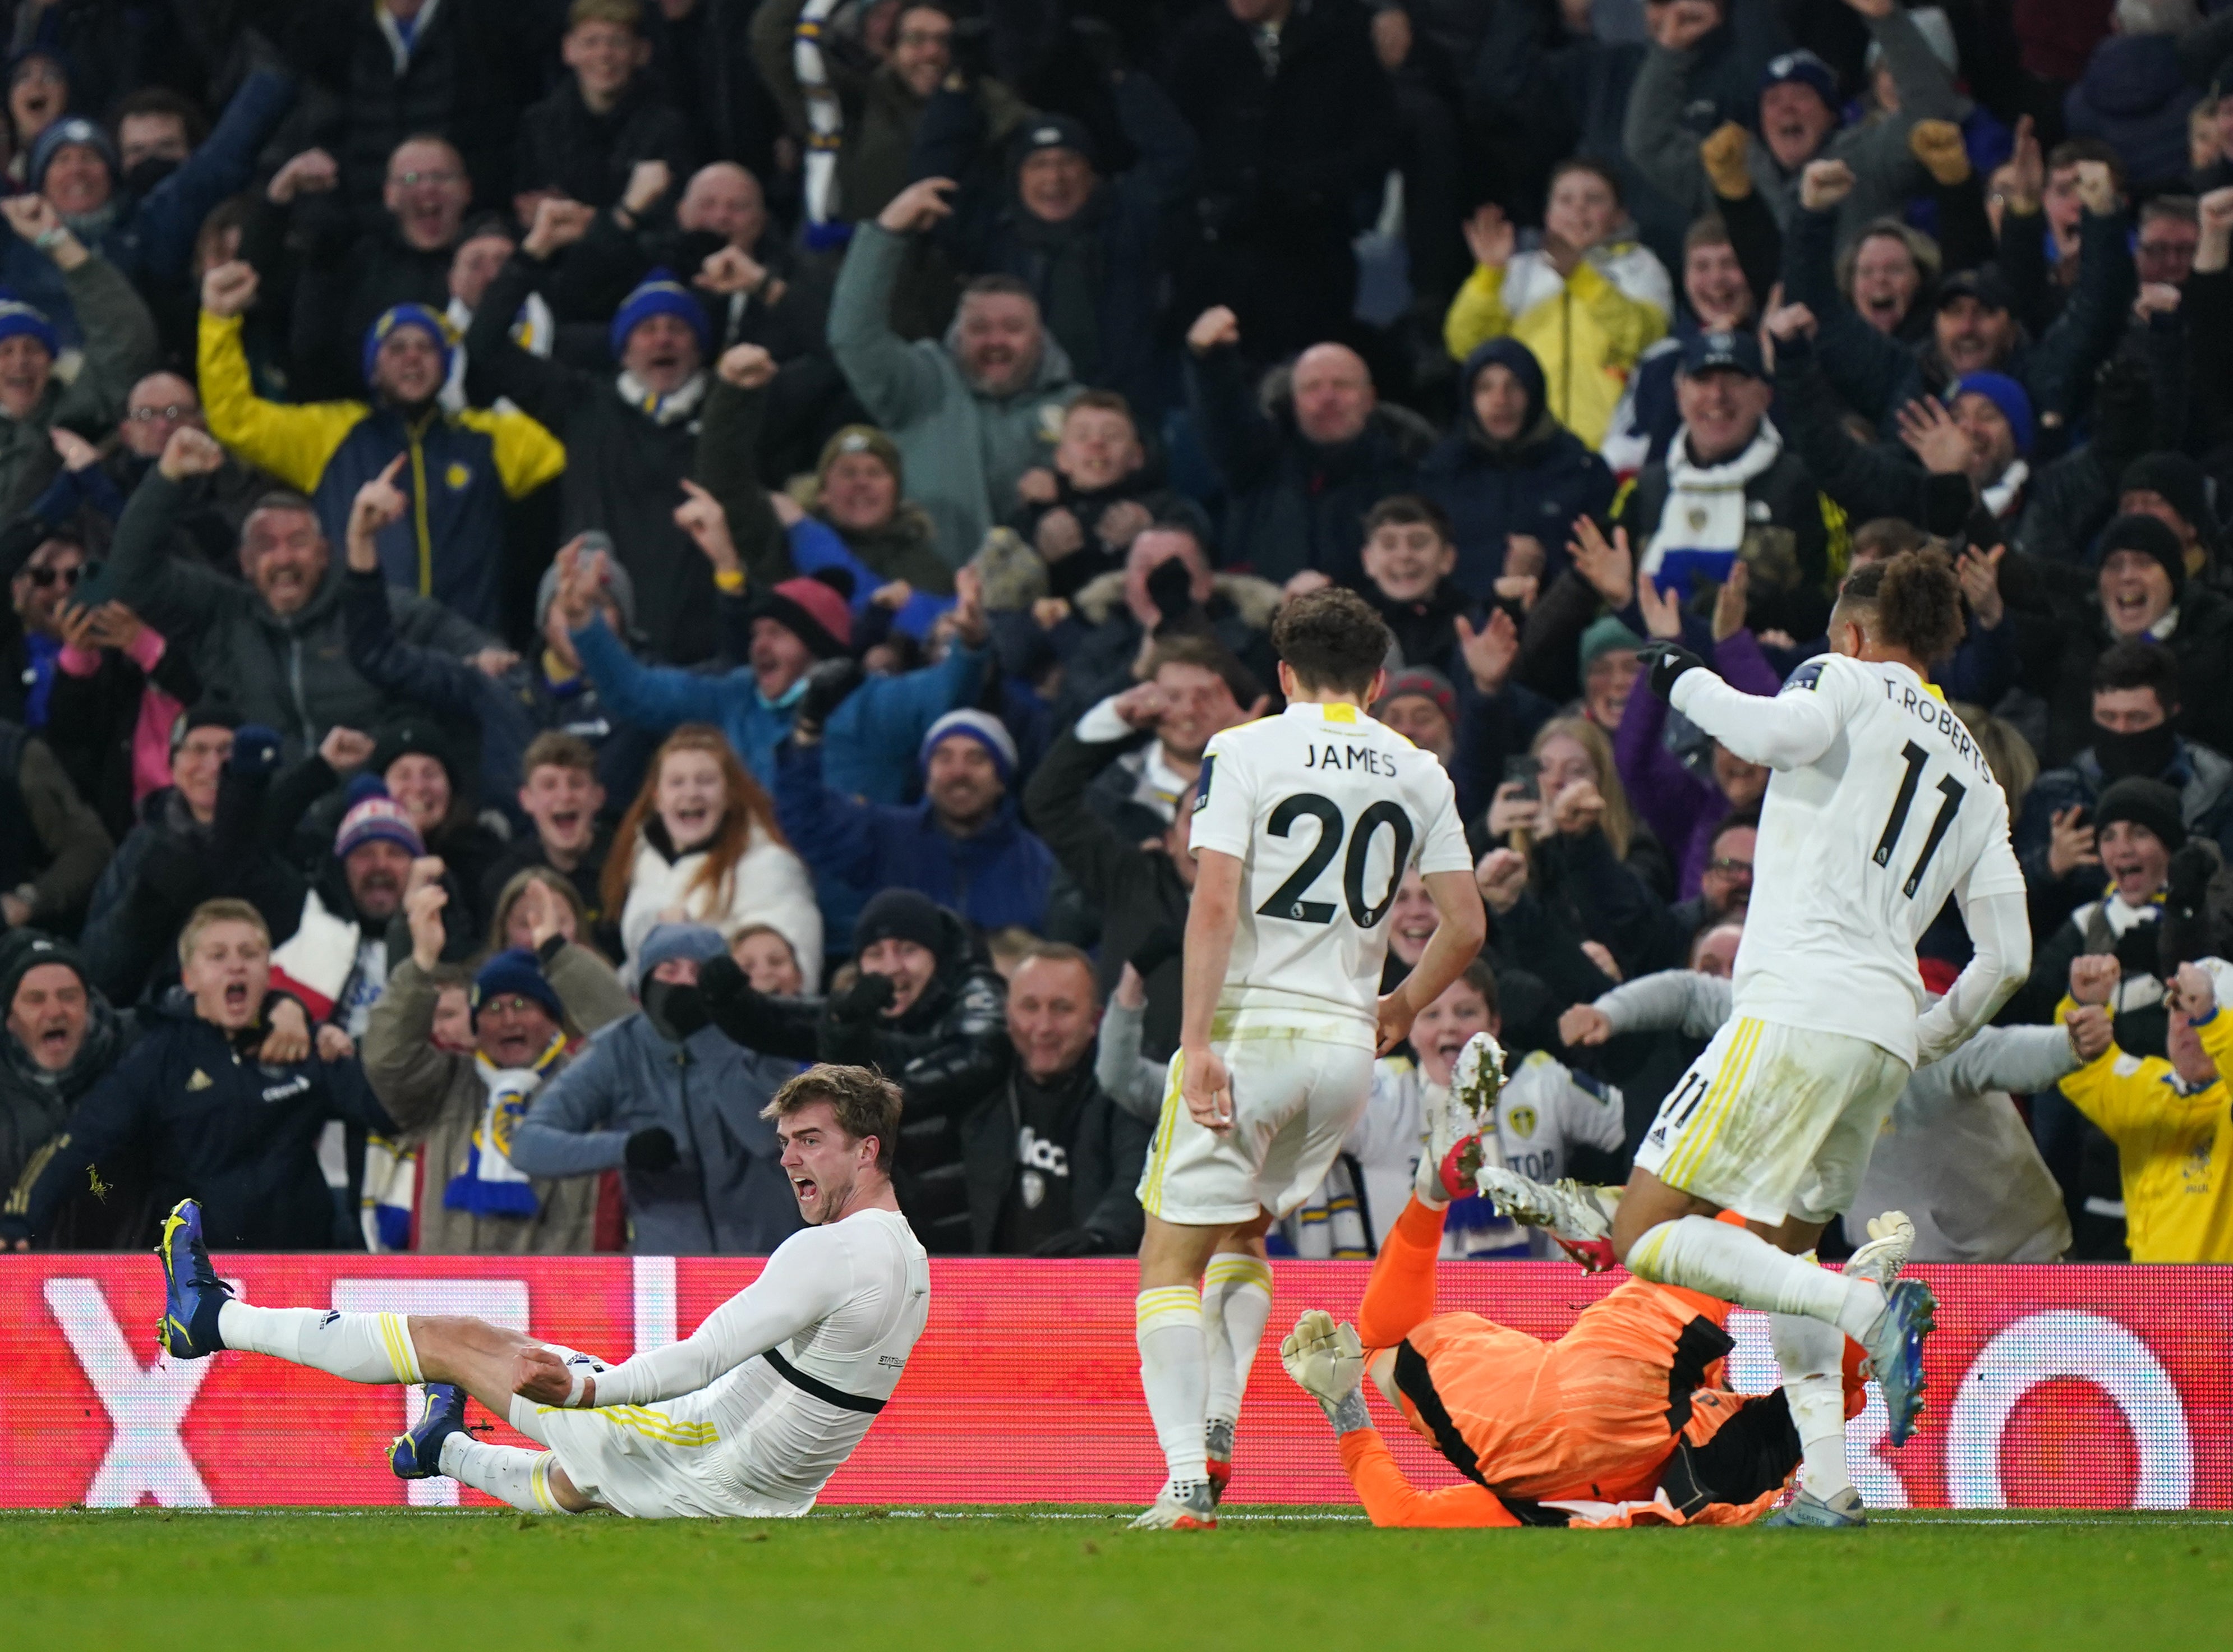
[
  {"x": 996, "y": 877},
  {"x": 873, "y": 737}
]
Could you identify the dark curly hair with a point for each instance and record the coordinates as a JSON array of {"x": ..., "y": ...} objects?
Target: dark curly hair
[
  {"x": 1915, "y": 600},
  {"x": 1332, "y": 640}
]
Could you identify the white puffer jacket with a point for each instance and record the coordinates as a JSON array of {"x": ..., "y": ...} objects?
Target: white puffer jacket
[{"x": 769, "y": 885}]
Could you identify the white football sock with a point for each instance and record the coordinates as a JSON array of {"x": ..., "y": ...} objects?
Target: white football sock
[
  {"x": 1175, "y": 1375},
  {"x": 1736, "y": 1264},
  {"x": 1812, "y": 1356},
  {"x": 520, "y": 1478},
  {"x": 1236, "y": 1302},
  {"x": 362, "y": 1348}
]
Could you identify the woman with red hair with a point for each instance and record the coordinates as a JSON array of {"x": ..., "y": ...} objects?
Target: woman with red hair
[{"x": 701, "y": 843}]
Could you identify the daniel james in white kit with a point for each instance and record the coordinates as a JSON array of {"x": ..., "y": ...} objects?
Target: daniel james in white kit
[
  {"x": 1303, "y": 825},
  {"x": 750, "y": 1415}
]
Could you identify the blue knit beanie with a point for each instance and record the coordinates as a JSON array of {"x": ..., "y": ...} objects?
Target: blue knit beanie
[
  {"x": 2004, "y": 392},
  {"x": 416, "y": 316},
  {"x": 75, "y": 130},
  {"x": 982, "y": 727},
  {"x": 1808, "y": 70},
  {"x": 514, "y": 973},
  {"x": 18, "y": 318},
  {"x": 659, "y": 293}
]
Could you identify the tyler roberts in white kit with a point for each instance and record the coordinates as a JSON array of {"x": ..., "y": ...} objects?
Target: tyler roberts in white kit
[
  {"x": 1879, "y": 809},
  {"x": 749, "y": 1416}
]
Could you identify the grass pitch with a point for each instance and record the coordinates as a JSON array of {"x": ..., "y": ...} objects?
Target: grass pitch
[{"x": 1076, "y": 1580}]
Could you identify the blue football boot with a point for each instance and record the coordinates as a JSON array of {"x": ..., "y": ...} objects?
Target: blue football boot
[
  {"x": 193, "y": 1294},
  {"x": 1894, "y": 1346},
  {"x": 417, "y": 1453}
]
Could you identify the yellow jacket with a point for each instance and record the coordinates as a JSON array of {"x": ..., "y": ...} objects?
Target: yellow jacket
[
  {"x": 1586, "y": 328},
  {"x": 2175, "y": 1150},
  {"x": 461, "y": 469}
]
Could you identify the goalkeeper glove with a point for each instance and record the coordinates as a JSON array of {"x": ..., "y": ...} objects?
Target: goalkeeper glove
[{"x": 1327, "y": 1363}]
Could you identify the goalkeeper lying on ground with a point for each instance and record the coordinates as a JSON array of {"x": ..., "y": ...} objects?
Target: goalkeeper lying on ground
[{"x": 1621, "y": 1422}]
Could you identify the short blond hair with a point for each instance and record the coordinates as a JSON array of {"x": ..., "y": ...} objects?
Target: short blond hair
[
  {"x": 219, "y": 912},
  {"x": 866, "y": 1104},
  {"x": 627, "y": 13}
]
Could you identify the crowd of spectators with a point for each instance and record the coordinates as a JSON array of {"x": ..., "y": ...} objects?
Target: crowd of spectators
[{"x": 568, "y": 557}]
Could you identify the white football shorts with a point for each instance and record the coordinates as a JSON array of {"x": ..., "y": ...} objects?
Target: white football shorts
[
  {"x": 674, "y": 1459},
  {"x": 1773, "y": 1121},
  {"x": 1294, "y": 1102}
]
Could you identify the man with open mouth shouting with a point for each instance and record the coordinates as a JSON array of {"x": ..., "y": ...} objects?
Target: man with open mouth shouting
[
  {"x": 750, "y": 1416},
  {"x": 223, "y": 1097}
]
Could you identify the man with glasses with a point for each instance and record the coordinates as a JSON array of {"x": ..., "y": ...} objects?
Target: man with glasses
[
  {"x": 394, "y": 69},
  {"x": 360, "y": 263},
  {"x": 211, "y": 507},
  {"x": 28, "y": 658},
  {"x": 882, "y": 107},
  {"x": 76, "y": 678},
  {"x": 1725, "y": 885},
  {"x": 2170, "y": 230}
]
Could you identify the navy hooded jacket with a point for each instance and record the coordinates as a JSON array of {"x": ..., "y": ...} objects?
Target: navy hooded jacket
[
  {"x": 997, "y": 876},
  {"x": 213, "y": 1124},
  {"x": 1536, "y": 484}
]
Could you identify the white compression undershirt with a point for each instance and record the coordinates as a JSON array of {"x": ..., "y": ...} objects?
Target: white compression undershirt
[
  {"x": 862, "y": 1281},
  {"x": 1999, "y": 931}
]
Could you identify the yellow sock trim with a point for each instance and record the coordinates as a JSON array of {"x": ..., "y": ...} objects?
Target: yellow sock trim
[
  {"x": 1237, "y": 1269},
  {"x": 1167, "y": 1304},
  {"x": 1643, "y": 1255},
  {"x": 538, "y": 1482},
  {"x": 402, "y": 1353}
]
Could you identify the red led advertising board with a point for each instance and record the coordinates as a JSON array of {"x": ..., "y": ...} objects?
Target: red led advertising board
[{"x": 2050, "y": 1386}]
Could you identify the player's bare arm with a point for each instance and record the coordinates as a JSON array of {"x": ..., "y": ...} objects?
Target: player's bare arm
[
  {"x": 1456, "y": 941},
  {"x": 1202, "y": 1080}
]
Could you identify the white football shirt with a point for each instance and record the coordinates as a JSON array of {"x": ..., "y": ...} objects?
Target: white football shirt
[
  {"x": 1325, "y": 808},
  {"x": 1880, "y": 807}
]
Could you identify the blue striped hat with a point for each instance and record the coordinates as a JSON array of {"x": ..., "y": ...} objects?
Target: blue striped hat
[
  {"x": 17, "y": 317},
  {"x": 659, "y": 293}
]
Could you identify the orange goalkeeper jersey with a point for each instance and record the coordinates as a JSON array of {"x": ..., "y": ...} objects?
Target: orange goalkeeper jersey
[{"x": 1592, "y": 1417}]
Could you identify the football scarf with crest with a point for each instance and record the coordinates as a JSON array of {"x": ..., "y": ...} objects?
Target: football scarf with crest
[
  {"x": 488, "y": 1186},
  {"x": 1701, "y": 527}
]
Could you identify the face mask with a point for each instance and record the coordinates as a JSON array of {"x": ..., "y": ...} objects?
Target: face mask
[
  {"x": 1170, "y": 587},
  {"x": 677, "y": 1009},
  {"x": 146, "y": 174},
  {"x": 2147, "y": 753}
]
